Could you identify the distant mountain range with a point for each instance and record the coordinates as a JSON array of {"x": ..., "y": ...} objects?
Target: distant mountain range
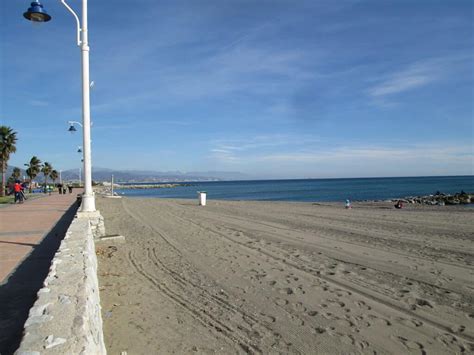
[{"x": 104, "y": 174}]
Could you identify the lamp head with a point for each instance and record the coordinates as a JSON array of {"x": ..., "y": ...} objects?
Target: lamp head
[
  {"x": 79, "y": 150},
  {"x": 36, "y": 13},
  {"x": 72, "y": 129}
]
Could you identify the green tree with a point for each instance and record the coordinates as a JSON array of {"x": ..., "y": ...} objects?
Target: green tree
[
  {"x": 46, "y": 170},
  {"x": 7, "y": 146},
  {"x": 34, "y": 167},
  {"x": 16, "y": 174},
  {"x": 54, "y": 175}
]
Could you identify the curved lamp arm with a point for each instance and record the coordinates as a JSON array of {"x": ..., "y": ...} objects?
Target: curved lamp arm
[
  {"x": 77, "y": 21},
  {"x": 74, "y": 122}
]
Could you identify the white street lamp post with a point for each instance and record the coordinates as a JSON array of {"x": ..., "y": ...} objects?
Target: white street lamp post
[
  {"x": 38, "y": 14},
  {"x": 88, "y": 201}
]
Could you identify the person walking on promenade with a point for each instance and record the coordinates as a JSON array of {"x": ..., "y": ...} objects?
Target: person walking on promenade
[
  {"x": 18, "y": 193},
  {"x": 69, "y": 188}
]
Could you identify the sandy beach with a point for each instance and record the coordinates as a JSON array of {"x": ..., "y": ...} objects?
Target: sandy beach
[{"x": 277, "y": 277}]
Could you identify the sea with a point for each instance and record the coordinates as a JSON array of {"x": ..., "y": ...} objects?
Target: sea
[{"x": 313, "y": 190}]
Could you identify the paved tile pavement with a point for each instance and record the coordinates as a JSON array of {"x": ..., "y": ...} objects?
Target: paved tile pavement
[{"x": 23, "y": 227}]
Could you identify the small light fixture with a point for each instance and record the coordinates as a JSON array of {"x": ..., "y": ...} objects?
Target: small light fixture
[
  {"x": 36, "y": 13},
  {"x": 72, "y": 129},
  {"x": 79, "y": 150}
]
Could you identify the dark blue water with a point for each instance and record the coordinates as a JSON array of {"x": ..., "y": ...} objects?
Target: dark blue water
[{"x": 314, "y": 189}]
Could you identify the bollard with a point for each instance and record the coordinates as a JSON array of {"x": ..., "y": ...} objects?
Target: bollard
[{"x": 202, "y": 198}]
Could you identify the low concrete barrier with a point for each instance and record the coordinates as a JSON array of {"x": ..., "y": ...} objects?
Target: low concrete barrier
[{"x": 66, "y": 317}]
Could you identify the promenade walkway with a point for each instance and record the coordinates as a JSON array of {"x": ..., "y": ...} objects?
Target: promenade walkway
[{"x": 30, "y": 234}]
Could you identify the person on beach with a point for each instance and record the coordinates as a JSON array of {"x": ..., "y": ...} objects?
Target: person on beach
[
  {"x": 399, "y": 204},
  {"x": 348, "y": 204}
]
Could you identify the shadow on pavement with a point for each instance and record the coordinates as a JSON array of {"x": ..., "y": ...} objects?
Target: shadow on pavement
[{"x": 18, "y": 294}]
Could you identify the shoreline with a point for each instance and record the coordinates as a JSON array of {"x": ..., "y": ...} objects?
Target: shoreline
[
  {"x": 240, "y": 276},
  {"x": 426, "y": 200},
  {"x": 301, "y": 193}
]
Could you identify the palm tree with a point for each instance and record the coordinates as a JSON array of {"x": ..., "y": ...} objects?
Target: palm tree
[
  {"x": 34, "y": 167},
  {"x": 7, "y": 146},
  {"x": 46, "y": 170},
  {"x": 15, "y": 176},
  {"x": 16, "y": 173},
  {"x": 54, "y": 175}
]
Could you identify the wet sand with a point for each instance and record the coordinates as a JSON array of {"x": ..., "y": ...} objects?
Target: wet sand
[{"x": 271, "y": 277}]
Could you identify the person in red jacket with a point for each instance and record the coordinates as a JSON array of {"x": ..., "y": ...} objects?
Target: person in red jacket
[{"x": 18, "y": 193}]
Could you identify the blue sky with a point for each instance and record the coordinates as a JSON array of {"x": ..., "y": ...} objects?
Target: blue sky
[{"x": 272, "y": 89}]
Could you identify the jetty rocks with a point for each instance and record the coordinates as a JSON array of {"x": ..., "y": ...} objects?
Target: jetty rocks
[
  {"x": 441, "y": 199},
  {"x": 143, "y": 186}
]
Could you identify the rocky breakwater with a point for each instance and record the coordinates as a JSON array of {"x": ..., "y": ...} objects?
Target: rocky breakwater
[
  {"x": 148, "y": 186},
  {"x": 439, "y": 198}
]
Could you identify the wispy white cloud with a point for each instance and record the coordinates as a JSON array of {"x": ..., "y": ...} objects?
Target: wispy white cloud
[
  {"x": 318, "y": 159},
  {"x": 419, "y": 74},
  {"x": 378, "y": 153},
  {"x": 39, "y": 103},
  {"x": 259, "y": 143},
  {"x": 242, "y": 69},
  {"x": 415, "y": 76}
]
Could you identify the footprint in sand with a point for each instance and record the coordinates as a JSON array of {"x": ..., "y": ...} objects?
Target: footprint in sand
[
  {"x": 267, "y": 318},
  {"x": 344, "y": 322},
  {"x": 410, "y": 322},
  {"x": 318, "y": 330},
  {"x": 360, "y": 321},
  {"x": 281, "y": 302},
  {"x": 418, "y": 302},
  {"x": 336, "y": 302},
  {"x": 341, "y": 293},
  {"x": 297, "y": 321},
  {"x": 298, "y": 306},
  {"x": 379, "y": 320},
  {"x": 363, "y": 305},
  {"x": 349, "y": 339},
  {"x": 300, "y": 289},
  {"x": 409, "y": 344},
  {"x": 403, "y": 292},
  {"x": 287, "y": 290},
  {"x": 451, "y": 341},
  {"x": 458, "y": 328},
  {"x": 328, "y": 315}
]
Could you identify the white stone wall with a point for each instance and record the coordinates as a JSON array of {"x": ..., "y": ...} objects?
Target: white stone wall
[{"x": 66, "y": 317}]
